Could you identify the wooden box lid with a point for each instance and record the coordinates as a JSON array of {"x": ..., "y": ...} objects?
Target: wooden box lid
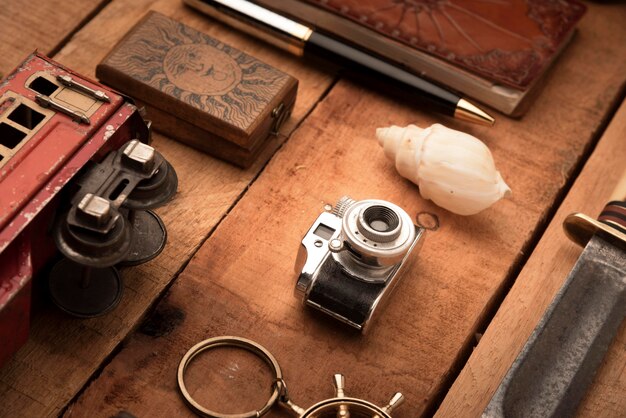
[{"x": 226, "y": 101}]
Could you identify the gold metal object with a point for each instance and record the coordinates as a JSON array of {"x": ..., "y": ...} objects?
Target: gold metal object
[
  {"x": 45, "y": 101},
  {"x": 471, "y": 113},
  {"x": 340, "y": 382},
  {"x": 280, "y": 115},
  {"x": 580, "y": 228},
  {"x": 396, "y": 401},
  {"x": 340, "y": 406},
  {"x": 229, "y": 341},
  {"x": 257, "y": 21},
  {"x": 68, "y": 81}
]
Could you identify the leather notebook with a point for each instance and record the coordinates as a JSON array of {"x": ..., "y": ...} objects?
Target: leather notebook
[{"x": 495, "y": 51}]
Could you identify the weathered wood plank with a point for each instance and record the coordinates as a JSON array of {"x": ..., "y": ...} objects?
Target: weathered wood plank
[
  {"x": 534, "y": 289},
  {"x": 241, "y": 280},
  {"x": 39, "y": 24},
  {"x": 63, "y": 352}
]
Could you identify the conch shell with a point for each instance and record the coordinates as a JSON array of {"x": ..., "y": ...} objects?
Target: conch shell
[{"x": 453, "y": 169}]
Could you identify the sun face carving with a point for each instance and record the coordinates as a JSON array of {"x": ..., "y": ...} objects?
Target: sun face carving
[{"x": 199, "y": 70}]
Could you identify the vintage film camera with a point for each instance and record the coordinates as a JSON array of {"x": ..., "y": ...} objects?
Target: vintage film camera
[
  {"x": 352, "y": 257},
  {"x": 77, "y": 177}
]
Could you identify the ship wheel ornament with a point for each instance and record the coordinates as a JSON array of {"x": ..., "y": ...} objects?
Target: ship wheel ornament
[{"x": 338, "y": 406}]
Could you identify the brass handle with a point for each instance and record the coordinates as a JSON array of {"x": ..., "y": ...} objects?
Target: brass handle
[{"x": 611, "y": 223}]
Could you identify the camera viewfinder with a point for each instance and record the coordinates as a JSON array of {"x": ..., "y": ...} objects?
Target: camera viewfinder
[{"x": 324, "y": 231}]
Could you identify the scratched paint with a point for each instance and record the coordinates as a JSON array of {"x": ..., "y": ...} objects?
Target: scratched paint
[{"x": 92, "y": 142}]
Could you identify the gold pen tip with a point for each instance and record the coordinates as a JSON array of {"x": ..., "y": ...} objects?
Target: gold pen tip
[{"x": 471, "y": 113}]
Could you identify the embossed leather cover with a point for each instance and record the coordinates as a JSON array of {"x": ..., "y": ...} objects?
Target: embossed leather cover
[
  {"x": 198, "y": 89},
  {"x": 491, "y": 72},
  {"x": 507, "y": 41}
]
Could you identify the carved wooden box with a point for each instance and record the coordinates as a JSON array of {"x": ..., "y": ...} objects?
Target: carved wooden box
[{"x": 199, "y": 90}]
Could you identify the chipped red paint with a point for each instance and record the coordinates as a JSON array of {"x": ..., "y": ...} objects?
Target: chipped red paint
[{"x": 34, "y": 177}]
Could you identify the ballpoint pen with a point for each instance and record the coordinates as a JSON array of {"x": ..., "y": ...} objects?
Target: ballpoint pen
[{"x": 301, "y": 39}]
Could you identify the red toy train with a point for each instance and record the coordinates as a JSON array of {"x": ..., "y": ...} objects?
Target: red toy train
[{"x": 76, "y": 175}]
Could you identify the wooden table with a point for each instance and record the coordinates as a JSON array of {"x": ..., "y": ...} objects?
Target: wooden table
[{"x": 234, "y": 234}]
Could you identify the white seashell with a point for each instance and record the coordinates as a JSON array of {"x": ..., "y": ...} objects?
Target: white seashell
[{"x": 453, "y": 169}]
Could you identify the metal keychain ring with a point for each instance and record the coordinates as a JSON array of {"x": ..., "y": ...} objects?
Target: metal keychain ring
[{"x": 230, "y": 341}]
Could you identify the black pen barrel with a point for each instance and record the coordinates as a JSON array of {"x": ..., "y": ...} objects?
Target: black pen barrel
[
  {"x": 434, "y": 97},
  {"x": 299, "y": 38}
]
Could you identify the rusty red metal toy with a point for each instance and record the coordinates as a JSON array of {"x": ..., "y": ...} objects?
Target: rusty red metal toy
[{"x": 76, "y": 174}]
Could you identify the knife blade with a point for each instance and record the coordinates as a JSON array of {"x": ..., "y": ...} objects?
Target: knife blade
[{"x": 551, "y": 374}]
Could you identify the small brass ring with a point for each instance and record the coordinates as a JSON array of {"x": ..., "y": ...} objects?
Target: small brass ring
[
  {"x": 229, "y": 341},
  {"x": 281, "y": 385}
]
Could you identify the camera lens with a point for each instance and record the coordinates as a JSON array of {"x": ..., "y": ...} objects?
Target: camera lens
[
  {"x": 377, "y": 233},
  {"x": 381, "y": 218},
  {"x": 379, "y": 223}
]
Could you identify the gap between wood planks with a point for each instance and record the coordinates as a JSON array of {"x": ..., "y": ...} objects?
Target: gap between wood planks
[
  {"x": 98, "y": 371},
  {"x": 78, "y": 28},
  {"x": 494, "y": 306}
]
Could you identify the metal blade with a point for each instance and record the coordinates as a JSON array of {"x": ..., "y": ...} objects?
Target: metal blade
[{"x": 552, "y": 372}]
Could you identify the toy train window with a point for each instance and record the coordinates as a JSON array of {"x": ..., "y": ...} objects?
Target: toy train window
[
  {"x": 25, "y": 116},
  {"x": 9, "y": 136},
  {"x": 20, "y": 119},
  {"x": 43, "y": 86}
]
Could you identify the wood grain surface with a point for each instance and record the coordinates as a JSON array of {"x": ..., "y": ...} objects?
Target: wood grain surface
[
  {"x": 534, "y": 289},
  {"x": 241, "y": 280},
  {"x": 63, "y": 352},
  {"x": 42, "y": 25}
]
